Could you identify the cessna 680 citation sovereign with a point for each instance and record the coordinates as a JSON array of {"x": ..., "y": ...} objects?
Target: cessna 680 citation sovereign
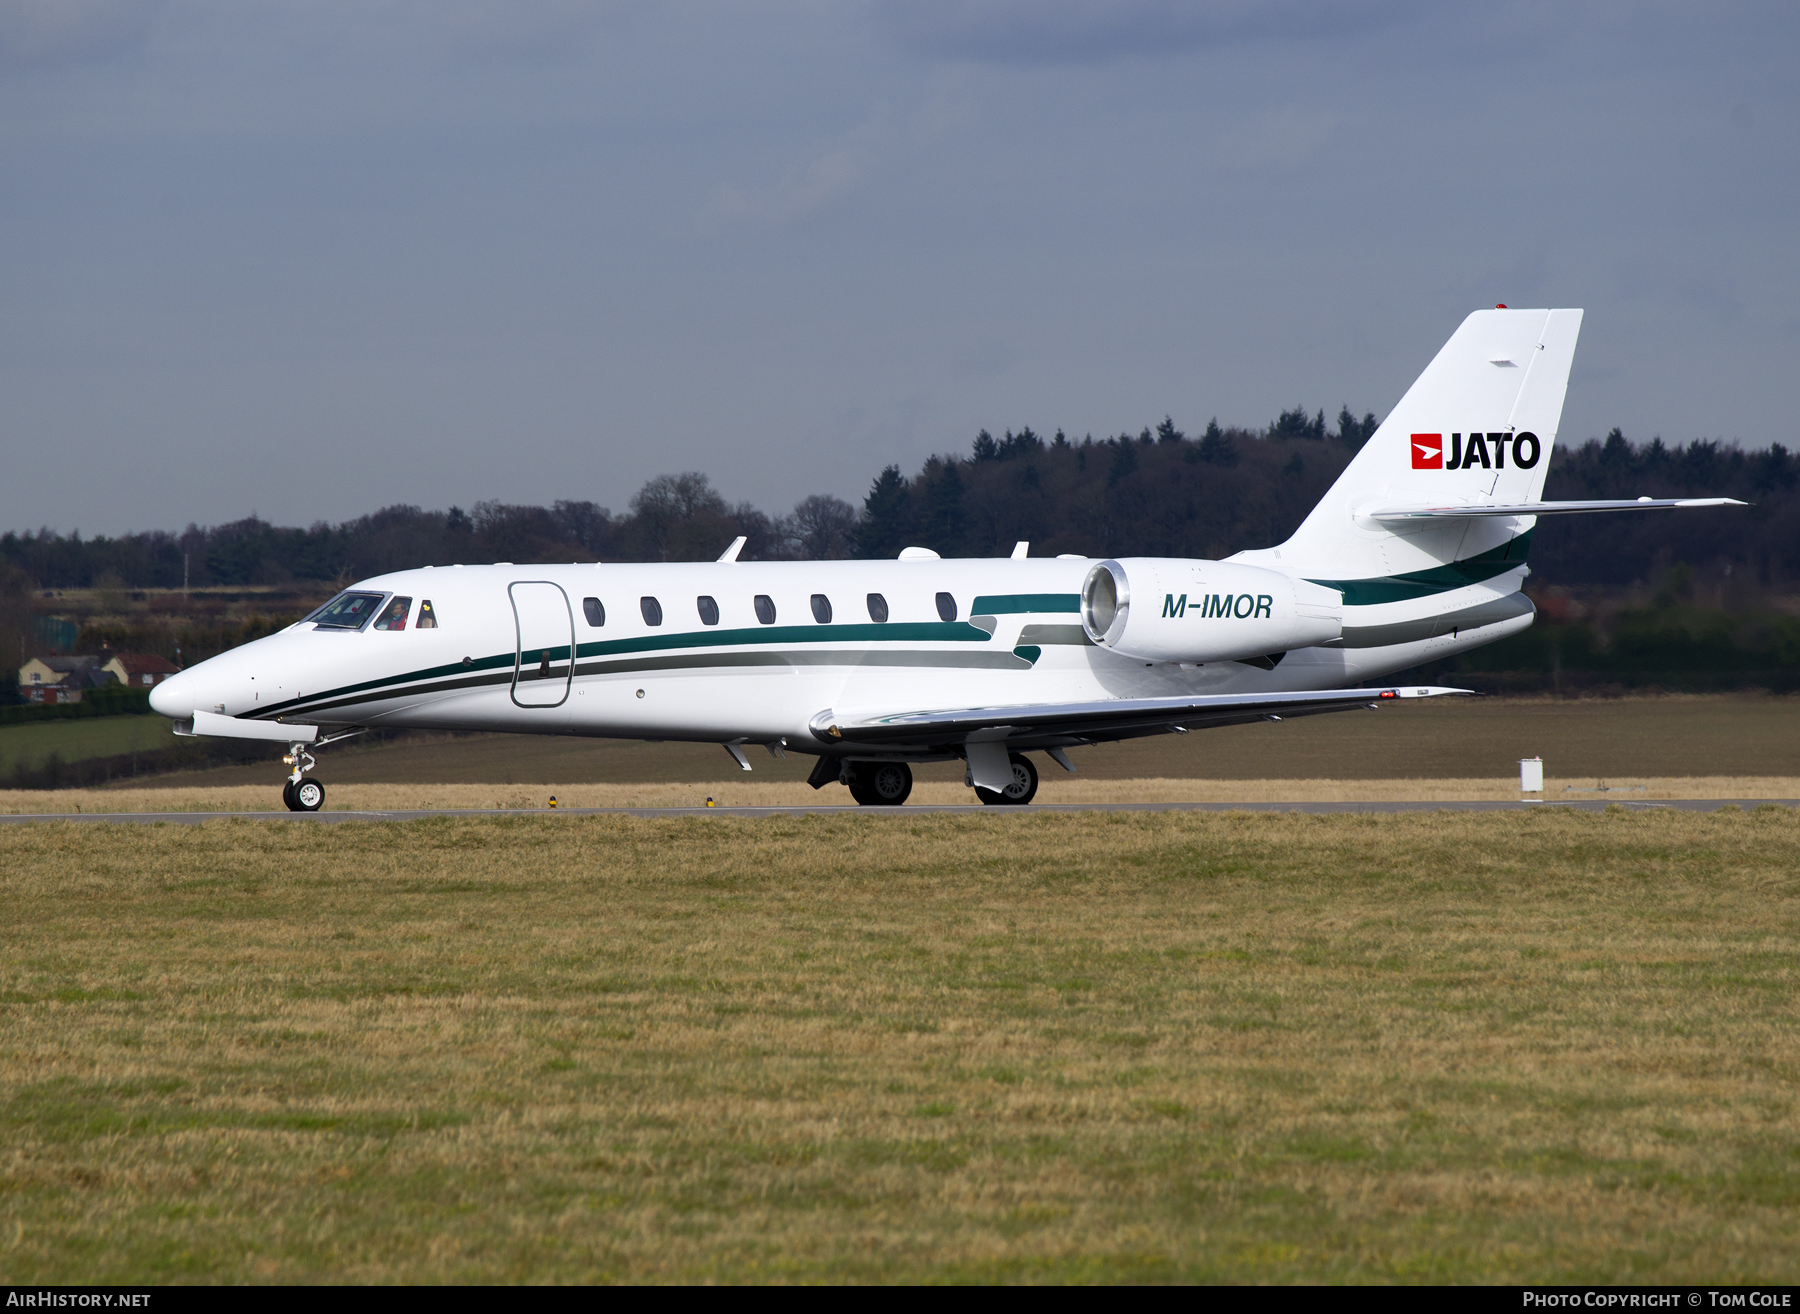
[{"x": 1416, "y": 553}]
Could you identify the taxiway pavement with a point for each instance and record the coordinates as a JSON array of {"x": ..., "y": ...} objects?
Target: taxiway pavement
[{"x": 911, "y": 810}]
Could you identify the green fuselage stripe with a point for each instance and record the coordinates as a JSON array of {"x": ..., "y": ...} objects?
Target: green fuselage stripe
[
  {"x": 1510, "y": 555},
  {"x": 892, "y": 632},
  {"x": 1008, "y": 604}
]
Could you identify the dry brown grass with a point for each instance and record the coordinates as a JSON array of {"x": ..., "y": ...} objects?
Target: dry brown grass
[
  {"x": 754, "y": 793},
  {"x": 1232, "y": 1047},
  {"x": 1440, "y": 739}
]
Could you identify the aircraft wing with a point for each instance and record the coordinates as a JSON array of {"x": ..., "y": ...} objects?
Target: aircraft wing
[
  {"x": 1545, "y": 508},
  {"x": 1030, "y": 725}
]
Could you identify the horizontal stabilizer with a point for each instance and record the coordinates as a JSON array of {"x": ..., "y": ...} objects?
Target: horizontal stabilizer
[
  {"x": 1543, "y": 508},
  {"x": 1111, "y": 718},
  {"x": 230, "y": 727}
]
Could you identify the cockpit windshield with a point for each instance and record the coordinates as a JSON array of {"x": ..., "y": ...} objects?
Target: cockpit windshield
[
  {"x": 393, "y": 616},
  {"x": 347, "y": 611}
]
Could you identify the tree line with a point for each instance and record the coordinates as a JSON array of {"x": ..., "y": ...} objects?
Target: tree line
[
  {"x": 1159, "y": 492},
  {"x": 677, "y": 517}
]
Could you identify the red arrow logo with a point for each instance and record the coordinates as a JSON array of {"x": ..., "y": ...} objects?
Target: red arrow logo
[{"x": 1428, "y": 451}]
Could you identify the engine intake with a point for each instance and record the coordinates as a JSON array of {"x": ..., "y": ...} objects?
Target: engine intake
[{"x": 1170, "y": 609}]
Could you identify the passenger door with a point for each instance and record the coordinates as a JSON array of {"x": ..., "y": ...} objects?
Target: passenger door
[{"x": 545, "y": 625}]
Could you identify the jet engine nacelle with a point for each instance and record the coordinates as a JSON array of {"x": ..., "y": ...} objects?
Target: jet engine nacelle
[{"x": 1169, "y": 609}]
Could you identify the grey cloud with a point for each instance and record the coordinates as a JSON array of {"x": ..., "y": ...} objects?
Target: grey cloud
[
  {"x": 1092, "y": 31},
  {"x": 826, "y": 176},
  {"x": 534, "y": 30},
  {"x": 36, "y": 33},
  {"x": 55, "y": 33},
  {"x": 315, "y": 256}
]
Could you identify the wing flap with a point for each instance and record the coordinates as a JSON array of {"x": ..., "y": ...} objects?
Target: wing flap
[{"x": 1114, "y": 717}]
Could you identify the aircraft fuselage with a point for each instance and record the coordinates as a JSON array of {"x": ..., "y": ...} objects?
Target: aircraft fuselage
[{"x": 715, "y": 668}]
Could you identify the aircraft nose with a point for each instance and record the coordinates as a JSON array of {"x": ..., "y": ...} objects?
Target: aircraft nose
[{"x": 174, "y": 697}]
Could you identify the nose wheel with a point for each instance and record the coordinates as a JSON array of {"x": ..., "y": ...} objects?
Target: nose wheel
[{"x": 301, "y": 794}]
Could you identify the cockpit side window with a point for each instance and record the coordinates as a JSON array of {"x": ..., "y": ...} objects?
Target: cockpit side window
[
  {"x": 427, "y": 617},
  {"x": 393, "y": 616},
  {"x": 347, "y": 611}
]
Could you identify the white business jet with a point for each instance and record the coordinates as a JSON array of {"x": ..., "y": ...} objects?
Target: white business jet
[{"x": 1416, "y": 553}]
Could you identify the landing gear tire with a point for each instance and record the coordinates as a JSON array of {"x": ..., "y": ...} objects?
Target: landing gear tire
[
  {"x": 303, "y": 795},
  {"x": 1022, "y": 789},
  {"x": 880, "y": 784}
]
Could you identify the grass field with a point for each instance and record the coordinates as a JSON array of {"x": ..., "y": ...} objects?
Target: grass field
[
  {"x": 1441, "y": 1047},
  {"x": 104, "y": 736}
]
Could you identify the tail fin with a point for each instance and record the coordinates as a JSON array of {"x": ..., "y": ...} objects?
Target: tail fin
[{"x": 1477, "y": 427}]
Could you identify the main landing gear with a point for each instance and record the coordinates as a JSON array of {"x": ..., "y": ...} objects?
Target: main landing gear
[
  {"x": 301, "y": 794},
  {"x": 1022, "y": 788},
  {"x": 878, "y": 784}
]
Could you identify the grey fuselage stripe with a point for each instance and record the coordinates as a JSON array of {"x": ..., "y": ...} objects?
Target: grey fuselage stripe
[
  {"x": 1071, "y": 635},
  {"x": 398, "y": 688},
  {"x": 1430, "y": 627}
]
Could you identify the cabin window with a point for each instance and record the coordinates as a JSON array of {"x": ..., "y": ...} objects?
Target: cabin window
[
  {"x": 765, "y": 609},
  {"x": 946, "y": 606},
  {"x": 652, "y": 610},
  {"x": 427, "y": 617},
  {"x": 347, "y": 611},
  {"x": 821, "y": 608},
  {"x": 877, "y": 608},
  {"x": 393, "y": 616},
  {"x": 595, "y": 613},
  {"x": 709, "y": 610}
]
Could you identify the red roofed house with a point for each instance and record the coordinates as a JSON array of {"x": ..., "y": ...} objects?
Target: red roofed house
[
  {"x": 140, "y": 670},
  {"x": 59, "y": 679},
  {"x": 63, "y": 679}
]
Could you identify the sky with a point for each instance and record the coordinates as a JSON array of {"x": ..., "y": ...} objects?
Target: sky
[{"x": 305, "y": 260}]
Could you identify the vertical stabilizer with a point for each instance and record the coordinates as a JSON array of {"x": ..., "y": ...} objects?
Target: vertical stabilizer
[{"x": 1477, "y": 427}]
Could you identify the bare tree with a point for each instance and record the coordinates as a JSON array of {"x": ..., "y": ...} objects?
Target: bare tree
[
  {"x": 679, "y": 517},
  {"x": 821, "y": 528}
]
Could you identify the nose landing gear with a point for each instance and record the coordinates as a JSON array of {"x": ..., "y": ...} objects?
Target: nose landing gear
[{"x": 301, "y": 794}]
